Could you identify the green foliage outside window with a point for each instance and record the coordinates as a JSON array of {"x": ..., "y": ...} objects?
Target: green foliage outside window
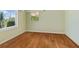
[
  {"x": 10, "y": 23},
  {"x": 1, "y": 20},
  {"x": 1, "y": 16}
]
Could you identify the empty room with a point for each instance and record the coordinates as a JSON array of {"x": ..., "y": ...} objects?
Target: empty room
[{"x": 39, "y": 28}]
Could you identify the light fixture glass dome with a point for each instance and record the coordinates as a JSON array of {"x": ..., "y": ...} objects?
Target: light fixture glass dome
[{"x": 34, "y": 13}]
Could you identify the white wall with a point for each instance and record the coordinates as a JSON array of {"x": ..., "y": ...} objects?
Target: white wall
[
  {"x": 7, "y": 35},
  {"x": 72, "y": 25},
  {"x": 49, "y": 21}
]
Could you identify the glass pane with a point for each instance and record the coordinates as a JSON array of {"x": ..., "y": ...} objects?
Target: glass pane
[{"x": 7, "y": 18}]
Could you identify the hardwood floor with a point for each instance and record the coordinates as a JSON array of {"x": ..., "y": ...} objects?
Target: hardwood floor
[{"x": 39, "y": 40}]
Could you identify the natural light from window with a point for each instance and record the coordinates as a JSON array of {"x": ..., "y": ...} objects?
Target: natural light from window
[{"x": 7, "y": 19}]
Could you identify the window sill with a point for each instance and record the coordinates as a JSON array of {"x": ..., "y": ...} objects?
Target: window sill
[{"x": 8, "y": 28}]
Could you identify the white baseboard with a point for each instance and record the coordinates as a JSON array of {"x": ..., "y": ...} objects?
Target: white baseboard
[
  {"x": 45, "y": 32},
  {"x": 72, "y": 39}
]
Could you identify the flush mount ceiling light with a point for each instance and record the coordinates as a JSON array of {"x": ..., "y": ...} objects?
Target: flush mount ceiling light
[{"x": 34, "y": 13}]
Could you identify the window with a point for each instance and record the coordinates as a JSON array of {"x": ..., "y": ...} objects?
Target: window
[{"x": 7, "y": 18}]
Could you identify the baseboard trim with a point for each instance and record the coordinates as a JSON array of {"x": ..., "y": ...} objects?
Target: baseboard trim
[
  {"x": 72, "y": 40},
  {"x": 45, "y": 32}
]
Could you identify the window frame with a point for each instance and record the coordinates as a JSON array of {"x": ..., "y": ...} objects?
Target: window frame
[{"x": 12, "y": 27}]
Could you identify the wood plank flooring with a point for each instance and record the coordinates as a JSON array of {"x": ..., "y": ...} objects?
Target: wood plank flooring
[{"x": 39, "y": 40}]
